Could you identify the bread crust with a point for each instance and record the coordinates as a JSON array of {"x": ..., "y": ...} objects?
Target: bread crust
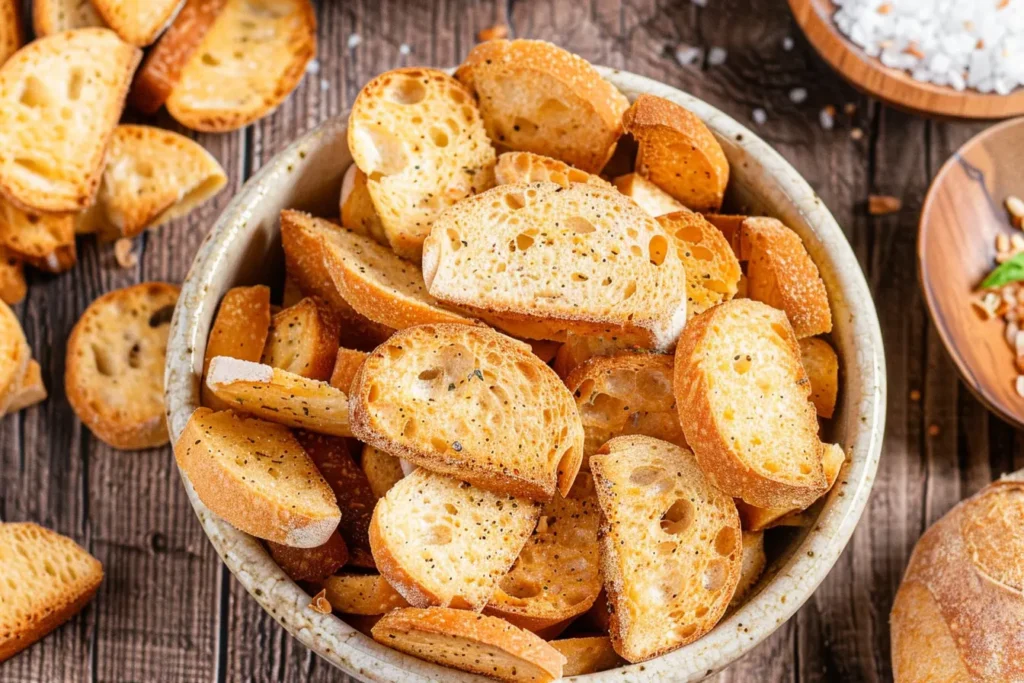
[
  {"x": 303, "y": 339},
  {"x": 311, "y": 564},
  {"x": 527, "y": 167},
  {"x": 137, "y": 22},
  {"x": 55, "y": 16},
  {"x": 362, "y": 594},
  {"x": 822, "y": 366},
  {"x": 12, "y": 36},
  {"x": 587, "y": 655},
  {"x": 712, "y": 270},
  {"x": 13, "y": 287}
]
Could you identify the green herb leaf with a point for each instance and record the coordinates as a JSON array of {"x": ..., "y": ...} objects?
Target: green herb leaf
[{"x": 1005, "y": 273}]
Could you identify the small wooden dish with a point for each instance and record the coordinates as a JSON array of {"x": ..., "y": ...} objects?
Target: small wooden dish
[
  {"x": 895, "y": 86},
  {"x": 963, "y": 212}
]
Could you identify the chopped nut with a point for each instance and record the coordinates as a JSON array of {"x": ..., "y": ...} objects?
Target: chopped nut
[
  {"x": 123, "y": 253},
  {"x": 1002, "y": 243},
  {"x": 320, "y": 603},
  {"x": 496, "y": 32},
  {"x": 882, "y": 204}
]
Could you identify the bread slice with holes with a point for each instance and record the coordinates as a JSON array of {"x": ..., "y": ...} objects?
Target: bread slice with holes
[
  {"x": 31, "y": 389},
  {"x": 247, "y": 64},
  {"x": 537, "y": 97},
  {"x": 357, "y": 211},
  {"x": 744, "y": 404},
  {"x": 47, "y": 162},
  {"x": 440, "y": 541},
  {"x": 152, "y": 176},
  {"x": 57, "y": 16},
  {"x": 35, "y": 236},
  {"x": 822, "y": 366},
  {"x": 587, "y": 655},
  {"x": 239, "y": 331},
  {"x": 628, "y": 393},
  {"x": 712, "y": 270},
  {"x": 754, "y": 561},
  {"x": 471, "y": 403},
  {"x": 647, "y": 195},
  {"x": 670, "y": 546},
  {"x": 13, "y": 287},
  {"x": 138, "y": 22},
  {"x": 585, "y": 258},
  {"x": 677, "y": 152},
  {"x": 378, "y": 284},
  {"x": 470, "y": 642},
  {"x": 346, "y": 365},
  {"x": 557, "y": 575},
  {"x": 303, "y": 340},
  {"x": 417, "y": 135},
  {"x": 257, "y": 477},
  {"x": 382, "y": 470},
  {"x": 114, "y": 371},
  {"x": 11, "y": 34},
  {"x": 782, "y": 274},
  {"x": 311, "y": 564},
  {"x": 364, "y": 594},
  {"x": 47, "y": 579},
  {"x": 279, "y": 396},
  {"x": 527, "y": 167}
]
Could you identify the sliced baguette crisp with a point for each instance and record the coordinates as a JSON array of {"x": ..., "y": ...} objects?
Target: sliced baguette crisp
[
  {"x": 537, "y": 97},
  {"x": 579, "y": 348},
  {"x": 822, "y": 366},
  {"x": 440, "y": 541},
  {"x": 357, "y": 211},
  {"x": 57, "y": 16},
  {"x": 164, "y": 62},
  {"x": 417, "y": 135},
  {"x": 239, "y": 331},
  {"x": 138, "y": 22},
  {"x": 586, "y": 258},
  {"x": 781, "y": 273},
  {"x": 670, "y": 546},
  {"x": 754, "y": 561},
  {"x": 712, "y": 270},
  {"x": 346, "y": 365},
  {"x": 311, "y": 564},
  {"x": 31, "y": 389},
  {"x": 527, "y": 167},
  {"x": 382, "y": 470},
  {"x": 744, "y": 404},
  {"x": 11, "y": 34},
  {"x": 557, "y": 575},
  {"x": 470, "y": 642},
  {"x": 13, "y": 287},
  {"x": 629, "y": 393},
  {"x": 364, "y": 594},
  {"x": 677, "y": 152},
  {"x": 15, "y": 356},
  {"x": 247, "y": 64},
  {"x": 729, "y": 225},
  {"x": 279, "y": 396},
  {"x": 473, "y": 404},
  {"x": 47, "y": 162},
  {"x": 35, "y": 236},
  {"x": 47, "y": 579},
  {"x": 303, "y": 340},
  {"x": 587, "y": 655},
  {"x": 256, "y": 476},
  {"x": 152, "y": 176},
  {"x": 114, "y": 371},
  {"x": 647, "y": 195}
]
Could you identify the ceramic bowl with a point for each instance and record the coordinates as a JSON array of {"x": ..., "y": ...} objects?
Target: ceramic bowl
[{"x": 244, "y": 248}]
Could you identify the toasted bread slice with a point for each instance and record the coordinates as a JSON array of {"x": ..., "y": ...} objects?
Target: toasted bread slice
[
  {"x": 365, "y": 594},
  {"x": 418, "y": 136},
  {"x": 744, "y": 404},
  {"x": 677, "y": 152},
  {"x": 357, "y": 211},
  {"x": 346, "y": 365},
  {"x": 162, "y": 67},
  {"x": 239, "y": 331},
  {"x": 585, "y": 257},
  {"x": 647, "y": 195},
  {"x": 138, "y": 22},
  {"x": 822, "y": 366},
  {"x": 579, "y": 348},
  {"x": 759, "y": 518},
  {"x": 311, "y": 564},
  {"x": 440, "y": 541},
  {"x": 152, "y": 176},
  {"x": 670, "y": 546},
  {"x": 51, "y": 164},
  {"x": 47, "y": 579},
  {"x": 31, "y": 389},
  {"x": 114, "y": 373},
  {"x": 57, "y": 16},
  {"x": 301, "y": 236},
  {"x": 35, "y": 236},
  {"x": 303, "y": 340},
  {"x": 537, "y": 97},
  {"x": 13, "y": 287},
  {"x": 351, "y": 488},
  {"x": 471, "y": 642},
  {"x": 587, "y": 655},
  {"x": 729, "y": 225},
  {"x": 781, "y": 273},
  {"x": 256, "y": 476},
  {"x": 556, "y": 576},
  {"x": 545, "y": 349},
  {"x": 382, "y": 470},
  {"x": 279, "y": 396},
  {"x": 15, "y": 356},
  {"x": 473, "y": 404},
  {"x": 247, "y": 64},
  {"x": 11, "y": 34},
  {"x": 629, "y": 393},
  {"x": 754, "y": 561},
  {"x": 378, "y": 284},
  {"x": 527, "y": 167},
  {"x": 712, "y": 270}
]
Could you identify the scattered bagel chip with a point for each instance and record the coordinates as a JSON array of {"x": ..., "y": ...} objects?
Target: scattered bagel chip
[{"x": 364, "y": 594}]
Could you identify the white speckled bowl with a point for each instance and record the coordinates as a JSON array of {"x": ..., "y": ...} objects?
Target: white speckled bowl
[{"x": 244, "y": 248}]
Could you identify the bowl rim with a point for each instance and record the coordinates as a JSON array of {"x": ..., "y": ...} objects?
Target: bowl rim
[{"x": 798, "y": 575}]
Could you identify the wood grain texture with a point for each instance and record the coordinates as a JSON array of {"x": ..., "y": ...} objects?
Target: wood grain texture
[{"x": 169, "y": 611}]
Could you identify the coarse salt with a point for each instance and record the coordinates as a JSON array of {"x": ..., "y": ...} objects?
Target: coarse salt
[
  {"x": 717, "y": 56},
  {"x": 798, "y": 95},
  {"x": 354, "y": 39},
  {"x": 760, "y": 116},
  {"x": 688, "y": 55}
]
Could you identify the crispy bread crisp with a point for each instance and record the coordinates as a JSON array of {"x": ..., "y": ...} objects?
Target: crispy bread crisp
[
  {"x": 587, "y": 655},
  {"x": 712, "y": 270},
  {"x": 527, "y": 167},
  {"x": 382, "y": 470},
  {"x": 822, "y": 366},
  {"x": 35, "y": 236},
  {"x": 311, "y": 564},
  {"x": 647, "y": 195},
  {"x": 364, "y": 594},
  {"x": 13, "y": 287},
  {"x": 31, "y": 389},
  {"x": 303, "y": 340},
  {"x": 754, "y": 561},
  {"x": 358, "y": 213},
  {"x": 12, "y": 36},
  {"x": 57, "y": 16},
  {"x": 239, "y": 331},
  {"x": 138, "y": 22}
]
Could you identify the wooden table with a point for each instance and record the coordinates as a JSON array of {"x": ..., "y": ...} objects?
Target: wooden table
[{"x": 169, "y": 611}]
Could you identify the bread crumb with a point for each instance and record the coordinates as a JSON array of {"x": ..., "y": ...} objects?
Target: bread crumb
[
  {"x": 717, "y": 56},
  {"x": 827, "y": 117},
  {"x": 123, "y": 253},
  {"x": 856, "y": 134},
  {"x": 883, "y": 204},
  {"x": 915, "y": 395},
  {"x": 798, "y": 95},
  {"x": 933, "y": 429},
  {"x": 320, "y": 603},
  {"x": 496, "y": 32},
  {"x": 760, "y": 116},
  {"x": 354, "y": 39},
  {"x": 787, "y": 43}
]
